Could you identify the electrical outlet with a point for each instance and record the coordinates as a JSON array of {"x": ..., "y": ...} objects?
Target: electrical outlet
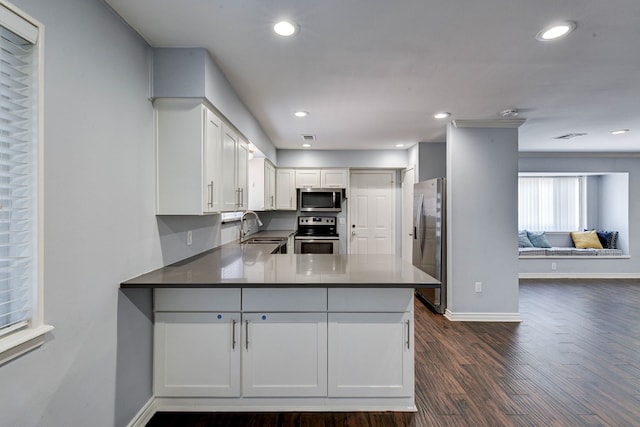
[
  {"x": 189, "y": 237},
  {"x": 478, "y": 286},
  {"x": 554, "y": 266}
]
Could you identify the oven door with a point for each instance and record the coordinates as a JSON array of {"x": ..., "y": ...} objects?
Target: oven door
[{"x": 316, "y": 246}]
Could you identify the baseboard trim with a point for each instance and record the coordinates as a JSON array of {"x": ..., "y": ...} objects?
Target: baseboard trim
[
  {"x": 579, "y": 275},
  {"x": 482, "y": 317},
  {"x": 186, "y": 404},
  {"x": 145, "y": 414}
]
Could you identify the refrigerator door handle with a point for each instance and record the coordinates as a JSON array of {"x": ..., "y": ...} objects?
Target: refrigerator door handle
[{"x": 419, "y": 223}]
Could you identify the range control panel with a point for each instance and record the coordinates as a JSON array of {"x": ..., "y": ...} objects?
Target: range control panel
[{"x": 316, "y": 220}]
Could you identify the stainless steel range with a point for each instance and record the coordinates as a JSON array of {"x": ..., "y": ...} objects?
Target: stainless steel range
[{"x": 317, "y": 235}]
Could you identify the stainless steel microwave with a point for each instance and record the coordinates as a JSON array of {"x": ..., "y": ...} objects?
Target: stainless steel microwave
[{"x": 319, "y": 200}]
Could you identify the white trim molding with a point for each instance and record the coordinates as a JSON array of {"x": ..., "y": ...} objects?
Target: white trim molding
[
  {"x": 145, "y": 414},
  {"x": 261, "y": 404},
  {"x": 21, "y": 342},
  {"x": 497, "y": 123},
  {"x": 579, "y": 276},
  {"x": 482, "y": 317}
]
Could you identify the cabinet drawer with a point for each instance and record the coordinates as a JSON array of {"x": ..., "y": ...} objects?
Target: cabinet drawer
[
  {"x": 197, "y": 300},
  {"x": 370, "y": 300},
  {"x": 284, "y": 299}
]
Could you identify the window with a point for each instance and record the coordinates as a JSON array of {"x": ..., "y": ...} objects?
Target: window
[
  {"x": 21, "y": 326},
  {"x": 551, "y": 203}
]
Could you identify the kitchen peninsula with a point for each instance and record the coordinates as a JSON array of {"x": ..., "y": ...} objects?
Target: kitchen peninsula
[{"x": 238, "y": 328}]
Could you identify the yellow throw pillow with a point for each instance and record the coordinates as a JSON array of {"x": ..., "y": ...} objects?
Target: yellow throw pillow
[{"x": 586, "y": 239}]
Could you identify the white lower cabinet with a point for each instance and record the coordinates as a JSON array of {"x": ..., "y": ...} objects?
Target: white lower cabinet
[
  {"x": 350, "y": 348},
  {"x": 284, "y": 354},
  {"x": 370, "y": 355},
  {"x": 197, "y": 354}
]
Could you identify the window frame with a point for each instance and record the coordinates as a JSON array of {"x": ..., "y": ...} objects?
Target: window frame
[
  {"x": 582, "y": 198},
  {"x": 21, "y": 341}
]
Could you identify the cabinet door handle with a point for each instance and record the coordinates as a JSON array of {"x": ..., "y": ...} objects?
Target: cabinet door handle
[
  {"x": 246, "y": 335},
  {"x": 408, "y": 334},
  {"x": 211, "y": 194},
  {"x": 233, "y": 335}
]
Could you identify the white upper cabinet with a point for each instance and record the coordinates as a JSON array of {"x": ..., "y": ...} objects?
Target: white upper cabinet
[
  {"x": 270, "y": 188},
  {"x": 262, "y": 185},
  {"x": 213, "y": 145},
  {"x": 188, "y": 142},
  {"x": 235, "y": 158},
  {"x": 321, "y": 178},
  {"x": 286, "y": 189},
  {"x": 307, "y": 178},
  {"x": 333, "y": 178},
  {"x": 242, "y": 174}
]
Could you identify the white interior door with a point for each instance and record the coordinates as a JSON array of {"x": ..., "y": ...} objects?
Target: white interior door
[
  {"x": 372, "y": 212},
  {"x": 409, "y": 178}
]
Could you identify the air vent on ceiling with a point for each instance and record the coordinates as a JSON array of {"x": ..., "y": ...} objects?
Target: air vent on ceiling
[
  {"x": 309, "y": 138},
  {"x": 570, "y": 135}
]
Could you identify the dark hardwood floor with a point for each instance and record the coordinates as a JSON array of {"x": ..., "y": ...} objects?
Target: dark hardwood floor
[{"x": 573, "y": 361}]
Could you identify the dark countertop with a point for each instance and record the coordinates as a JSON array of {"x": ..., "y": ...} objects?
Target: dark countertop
[{"x": 236, "y": 265}]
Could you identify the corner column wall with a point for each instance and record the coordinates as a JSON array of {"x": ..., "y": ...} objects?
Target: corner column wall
[{"x": 482, "y": 221}]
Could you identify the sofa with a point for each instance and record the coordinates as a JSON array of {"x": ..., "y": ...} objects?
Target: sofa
[{"x": 563, "y": 244}]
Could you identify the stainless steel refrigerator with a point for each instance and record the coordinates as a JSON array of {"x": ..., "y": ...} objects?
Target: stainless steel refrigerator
[{"x": 429, "y": 240}]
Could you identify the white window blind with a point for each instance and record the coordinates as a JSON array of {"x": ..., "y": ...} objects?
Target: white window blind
[
  {"x": 550, "y": 203},
  {"x": 18, "y": 173}
]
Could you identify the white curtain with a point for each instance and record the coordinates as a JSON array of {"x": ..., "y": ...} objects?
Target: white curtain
[{"x": 549, "y": 203}]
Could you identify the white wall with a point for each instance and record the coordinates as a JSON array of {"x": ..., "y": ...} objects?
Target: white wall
[
  {"x": 614, "y": 207},
  {"x": 610, "y": 191},
  {"x": 100, "y": 227},
  {"x": 482, "y": 214}
]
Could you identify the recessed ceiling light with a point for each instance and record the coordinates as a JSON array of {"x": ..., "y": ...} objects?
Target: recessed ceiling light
[
  {"x": 306, "y": 145},
  {"x": 301, "y": 114},
  {"x": 399, "y": 145},
  {"x": 442, "y": 115},
  {"x": 284, "y": 28},
  {"x": 556, "y": 31},
  {"x": 619, "y": 131}
]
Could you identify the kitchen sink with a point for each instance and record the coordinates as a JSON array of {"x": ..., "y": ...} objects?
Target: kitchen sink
[
  {"x": 281, "y": 242},
  {"x": 270, "y": 240}
]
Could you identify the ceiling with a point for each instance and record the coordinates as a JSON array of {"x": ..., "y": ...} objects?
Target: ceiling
[{"x": 371, "y": 73}]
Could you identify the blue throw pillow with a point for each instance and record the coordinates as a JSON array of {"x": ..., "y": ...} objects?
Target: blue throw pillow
[
  {"x": 605, "y": 238},
  {"x": 612, "y": 239},
  {"x": 538, "y": 239},
  {"x": 523, "y": 239},
  {"x": 608, "y": 239}
]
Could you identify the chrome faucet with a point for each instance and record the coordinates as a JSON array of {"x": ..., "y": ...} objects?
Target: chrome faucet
[{"x": 244, "y": 215}]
